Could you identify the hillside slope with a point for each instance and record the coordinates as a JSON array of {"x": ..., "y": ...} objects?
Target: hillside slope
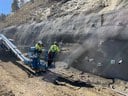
[
  {"x": 43, "y": 9},
  {"x": 94, "y": 32},
  {"x": 15, "y": 81},
  {"x": 93, "y": 36}
]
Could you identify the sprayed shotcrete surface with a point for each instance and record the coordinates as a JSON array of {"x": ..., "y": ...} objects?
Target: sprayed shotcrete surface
[{"x": 15, "y": 81}]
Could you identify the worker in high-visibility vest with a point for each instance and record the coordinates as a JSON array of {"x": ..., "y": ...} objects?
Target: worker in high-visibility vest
[
  {"x": 36, "y": 60},
  {"x": 54, "y": 49},
  {"x": 39, "y": 46}
]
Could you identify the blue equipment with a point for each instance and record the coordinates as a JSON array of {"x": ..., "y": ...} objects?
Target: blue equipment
[{"x": 33, "y": 61}]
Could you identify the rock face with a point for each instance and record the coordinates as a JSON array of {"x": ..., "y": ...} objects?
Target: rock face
[
  {"x": 22, "y": 2},
  {"x": 96, "y": 31}
]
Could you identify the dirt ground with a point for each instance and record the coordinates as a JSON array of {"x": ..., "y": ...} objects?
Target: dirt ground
[{"x": 15, "y": 80}]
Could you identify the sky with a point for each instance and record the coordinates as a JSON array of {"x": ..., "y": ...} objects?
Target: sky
[{"x": 5, "y": 6}]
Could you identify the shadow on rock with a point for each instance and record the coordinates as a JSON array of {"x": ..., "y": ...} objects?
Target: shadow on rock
[
  {"x": 58, "y": 79},
  {"x": 71, "y": 82},
  {"x": 25, "y": 69},
  {"x": 8, "y": 56},
  {"x": 49, "y": 76}
]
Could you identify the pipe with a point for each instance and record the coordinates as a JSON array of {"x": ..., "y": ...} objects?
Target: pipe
[{"x": 14, "y": 49}]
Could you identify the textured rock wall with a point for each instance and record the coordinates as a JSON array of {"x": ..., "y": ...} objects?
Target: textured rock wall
[{"x": 95, "y": 40}]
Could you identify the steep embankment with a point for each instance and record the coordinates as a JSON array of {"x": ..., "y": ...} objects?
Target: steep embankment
[
  {"x": 94, "y": 33},
  {"x": 14, "y": 81}
]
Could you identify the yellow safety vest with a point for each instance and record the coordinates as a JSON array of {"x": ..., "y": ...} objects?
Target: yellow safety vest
[
  {"x": 38, "y": 47},
  {"x": 54, "y": 48}
]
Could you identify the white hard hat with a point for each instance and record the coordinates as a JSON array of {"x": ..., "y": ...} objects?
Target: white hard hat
[
  {"x": 40, "y": 42},
  {"x": 55, "y": 42}
]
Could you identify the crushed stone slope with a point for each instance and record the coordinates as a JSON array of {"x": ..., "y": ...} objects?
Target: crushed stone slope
[{"x": 17, "y": 81}]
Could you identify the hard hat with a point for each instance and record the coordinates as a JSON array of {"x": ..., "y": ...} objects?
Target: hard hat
[
  {"x": 55, "y": 43},
  {"x": 40, "y": 42}
]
